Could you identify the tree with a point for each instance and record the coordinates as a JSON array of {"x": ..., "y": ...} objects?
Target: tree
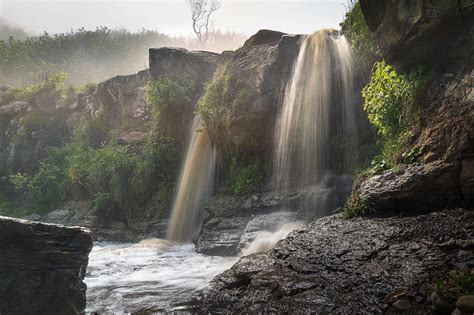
[{"x": 201, "y": 11}]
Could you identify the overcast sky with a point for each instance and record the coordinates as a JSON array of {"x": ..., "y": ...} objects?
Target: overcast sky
[{"x": 172, "y": 16}]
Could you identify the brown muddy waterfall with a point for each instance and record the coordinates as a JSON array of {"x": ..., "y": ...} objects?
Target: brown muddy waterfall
[
  {"x": 316, "y": 128},
  {"x": 194, "y": 186}
]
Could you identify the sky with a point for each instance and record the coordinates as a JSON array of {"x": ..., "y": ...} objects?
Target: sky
[{"x": 172, "y": 16}]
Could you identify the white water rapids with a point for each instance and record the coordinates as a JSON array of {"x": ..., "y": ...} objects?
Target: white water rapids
[{"x": 157, "y": 275}]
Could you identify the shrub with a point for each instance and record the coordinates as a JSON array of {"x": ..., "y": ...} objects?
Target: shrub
[
  {"x": 170, "y": 93},
  {"x": 245, "y": 176},
  {"x": 93, "y": 133},
  {"x": 391, "y": 102},
  {"x": 356, "y": 206}
]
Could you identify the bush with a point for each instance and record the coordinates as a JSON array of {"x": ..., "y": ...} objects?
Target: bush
[
  {"x": 167, "y": 93},
  {"x": 356, "y": 206},
  {"x": 391, "y": 102},
  {"x": 245, "y": 176}
]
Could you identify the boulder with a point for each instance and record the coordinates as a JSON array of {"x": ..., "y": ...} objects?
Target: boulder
[
  {"x": 337, "y": 266},
  {"x": 416, "y": 187},
  {"x": 42, "y": 267}
]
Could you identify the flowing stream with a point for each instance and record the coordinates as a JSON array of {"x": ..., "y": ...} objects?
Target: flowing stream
[{"x": 157, "y": 275}]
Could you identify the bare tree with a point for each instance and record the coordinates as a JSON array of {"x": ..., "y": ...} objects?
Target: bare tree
[{"x": 201, "y": 13}]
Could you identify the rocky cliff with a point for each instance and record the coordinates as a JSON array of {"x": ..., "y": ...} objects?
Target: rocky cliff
[
  {"x": 42, "y": 267},
  {"x": 439, "y": 36}
]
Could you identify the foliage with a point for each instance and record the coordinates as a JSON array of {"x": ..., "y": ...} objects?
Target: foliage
[
  {"x": 356, "y": 206},
  {"x": 165, "y": 93},
  {"x": 411, "y": 156},
  {"x": 378, "y": 165},
  {"x": 213, "y": 103},
  {"x": 117, "y": 178},
  {"x": 391, "y": 102},
  {"x": 355, "y": 29},
  {"x": 90, "y": 56},
  {"x": 224, "y": 95},
  {"x": 93, "y": 133},
  {"x": 245, "y": 176}
]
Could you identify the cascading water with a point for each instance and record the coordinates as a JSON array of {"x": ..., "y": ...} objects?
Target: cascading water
[
  {"x": 316, "y": 116},
  {"x": 157, "y": 275},
  {"x": 194, "y": 186}
]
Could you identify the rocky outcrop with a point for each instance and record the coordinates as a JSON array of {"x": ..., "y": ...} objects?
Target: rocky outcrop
[
  {"x": 336, "y": 266},
  {"x": 418, "y": 31},
  {"x": 438, "y": 35},
  {"x": 228, "y": 217},
  {"x": 256, "y": 75},
  {"x": 198, "y": 66},
  {"x": 42, "y": 267},
  {"x": 415, "y": 187},
  {"x": 232, "y": 222}
]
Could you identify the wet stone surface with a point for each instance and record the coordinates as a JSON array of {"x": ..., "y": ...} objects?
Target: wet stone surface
[{"x": 370, "y": 265}]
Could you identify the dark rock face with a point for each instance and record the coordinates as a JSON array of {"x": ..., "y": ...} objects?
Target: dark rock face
[
  {"x": 261, "y": 68},
  {"x": 232, "y": 222},
  {"x": 228, "y": 217},
  {"x": 417, "y": 187},
  {"x": 419, "y": 30},
  {"x": 437, "y": 34},
  {"x": 198, "y": 66},
  {"x": 334, "y": 266},
  {"x": 42, "y": 267}
]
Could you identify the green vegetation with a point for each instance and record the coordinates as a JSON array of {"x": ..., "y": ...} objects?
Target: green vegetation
[
  {"x": 118, "y": 178},
  {"x": 356, "y": 206},
  {"x": 90, "y": 56},
  {"x": 170, "y": 94},
  {"x": 391, "y": 102},
  {"x": 354, "y": 28},
  {"x": 225, "y": 95},
  {"x": 245, "y": 176}
]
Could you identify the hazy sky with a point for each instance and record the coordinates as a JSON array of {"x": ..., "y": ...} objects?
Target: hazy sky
[{"x": 172, "y": 16}]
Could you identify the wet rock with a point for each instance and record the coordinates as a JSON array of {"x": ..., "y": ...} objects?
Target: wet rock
[
  {"x": 344, "y": 266},
  {"x": 42, "y": 267},
  {"x": 465, "y": 304},
  {"x": 406, "y": 189}
]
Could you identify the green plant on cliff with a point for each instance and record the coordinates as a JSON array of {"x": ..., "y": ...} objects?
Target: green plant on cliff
[
  {"x": 355, "y": 29},
  {"x": 356, "y": 206},
  {"x": 391, "y": 102},
  {"x": 170, "y": 93},
  {"x": 245, "y": 175},
  {"x": 212, "y": 104}
]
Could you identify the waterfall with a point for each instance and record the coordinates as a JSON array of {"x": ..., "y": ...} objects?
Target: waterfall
[
  {"x": 194, "y": 186},
  {"x": 317, "y": 114}
]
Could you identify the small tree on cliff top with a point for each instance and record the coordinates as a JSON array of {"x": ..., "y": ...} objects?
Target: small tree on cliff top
[{"x": 201, "y": 11}]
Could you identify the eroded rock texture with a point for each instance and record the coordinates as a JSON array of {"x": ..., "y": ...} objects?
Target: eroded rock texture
[
  {"x": 413, "y": 32},
  {"x": 336, "y": 266},
  {"x": 42, "y": 267},
  {"x": 437, "y": 34}
]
